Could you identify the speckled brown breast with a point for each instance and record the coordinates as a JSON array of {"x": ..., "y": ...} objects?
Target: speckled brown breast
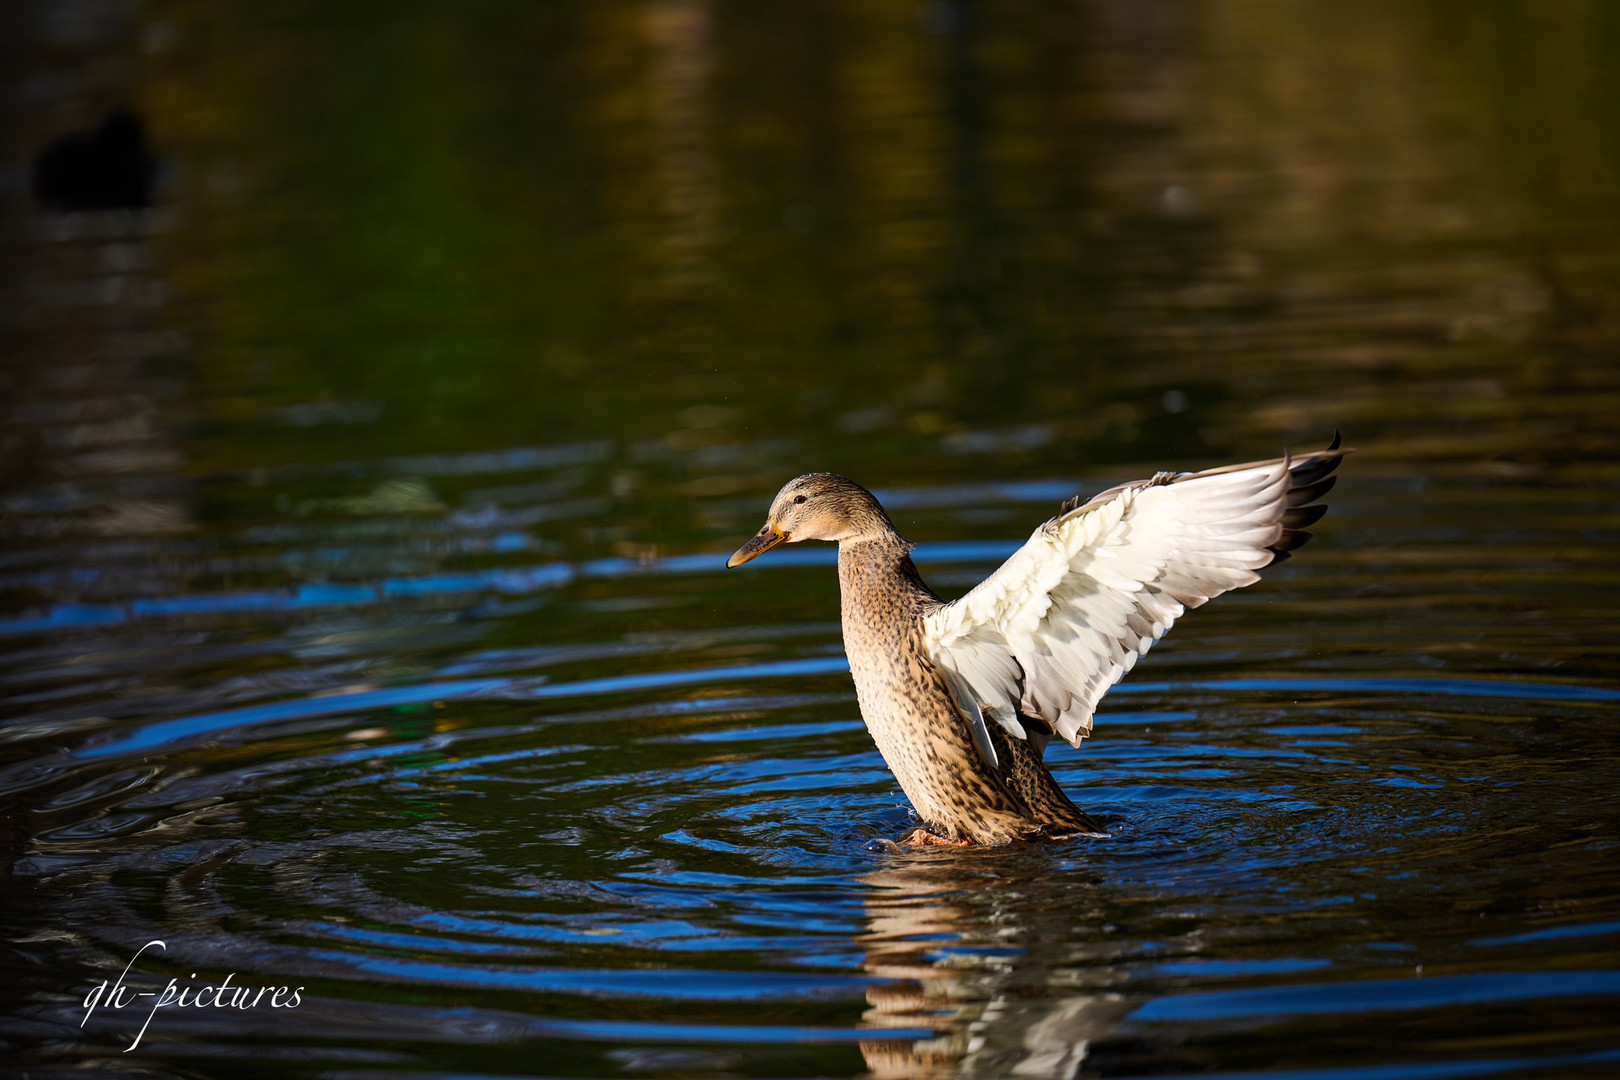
[{"x": 914, "y": 722}]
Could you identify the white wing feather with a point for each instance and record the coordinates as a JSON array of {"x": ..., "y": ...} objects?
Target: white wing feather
[{"x": 1068, "y": 614}]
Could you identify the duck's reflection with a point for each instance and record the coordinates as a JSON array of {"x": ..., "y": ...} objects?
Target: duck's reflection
[{"x": 996, "y": 956}]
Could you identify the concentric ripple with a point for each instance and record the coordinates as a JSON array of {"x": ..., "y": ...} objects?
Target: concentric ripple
[{"x": 522, "y": 845}]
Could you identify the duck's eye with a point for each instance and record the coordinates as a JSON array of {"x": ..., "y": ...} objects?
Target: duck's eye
[{"x": 798, "y": 498}]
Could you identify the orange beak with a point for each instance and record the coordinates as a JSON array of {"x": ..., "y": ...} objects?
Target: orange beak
[{"x": 768, "y": 537}]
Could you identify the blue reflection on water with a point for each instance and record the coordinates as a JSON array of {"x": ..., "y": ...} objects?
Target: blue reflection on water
[
  {"x": 168, "y": 732},
  {"x": 660, "y": 983},
  {"x": 1554, "y": 933},
  {"x": 1377, "y": 995},
  {"x": 506, "y": 580}
]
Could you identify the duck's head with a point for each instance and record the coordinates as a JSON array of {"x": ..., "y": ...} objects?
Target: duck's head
[{"x": 816, "y": 506}]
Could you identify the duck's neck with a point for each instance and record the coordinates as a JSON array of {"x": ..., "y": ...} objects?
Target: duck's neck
[{"x": 878, "y": 582}]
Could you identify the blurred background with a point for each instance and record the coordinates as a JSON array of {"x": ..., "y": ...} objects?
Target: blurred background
[{"x": 385, "y": 384}]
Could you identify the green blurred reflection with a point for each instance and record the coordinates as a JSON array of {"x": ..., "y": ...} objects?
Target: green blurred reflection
[{"x": 879, "y": 230}]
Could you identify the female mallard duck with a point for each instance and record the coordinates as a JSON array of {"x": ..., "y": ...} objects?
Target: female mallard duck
[{"x": 962, "y": 698}]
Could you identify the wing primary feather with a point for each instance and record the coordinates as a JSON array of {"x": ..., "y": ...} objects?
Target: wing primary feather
[
  {"x": 1309, "y": 491},
  {"x": 1303, "y": 517}
]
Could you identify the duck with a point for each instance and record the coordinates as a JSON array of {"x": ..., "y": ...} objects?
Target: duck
[{"x": 962, "y": 697}]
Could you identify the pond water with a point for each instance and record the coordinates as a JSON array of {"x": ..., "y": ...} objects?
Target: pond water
[{"x": 364, "y": 626}]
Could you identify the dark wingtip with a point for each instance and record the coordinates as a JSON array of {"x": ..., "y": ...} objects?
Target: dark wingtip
[
  {"x": 1303, "y": 517},
  {"x": 1308, "y": 482}
]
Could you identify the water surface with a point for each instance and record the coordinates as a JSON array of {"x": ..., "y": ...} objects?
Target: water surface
[{"x": 364, "y": 621}]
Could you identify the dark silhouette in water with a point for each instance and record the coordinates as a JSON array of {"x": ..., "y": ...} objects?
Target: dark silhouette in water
[{"x": 107, "y": 169}]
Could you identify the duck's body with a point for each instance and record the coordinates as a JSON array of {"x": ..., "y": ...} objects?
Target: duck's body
[
  {"x": 910, "y": 712},
  {"x": 963, "y": 697}
]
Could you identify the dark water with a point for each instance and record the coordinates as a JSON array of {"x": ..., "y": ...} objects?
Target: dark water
[{"x": 365, "y": 504}]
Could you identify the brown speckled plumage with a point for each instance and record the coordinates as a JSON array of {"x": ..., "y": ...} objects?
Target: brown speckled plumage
[
  {"x": 909, "y": 712},
  {"x": 897, "y": 633}
]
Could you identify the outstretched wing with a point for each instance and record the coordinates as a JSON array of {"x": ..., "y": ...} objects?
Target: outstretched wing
[{"x": 1038, "y": 643}]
